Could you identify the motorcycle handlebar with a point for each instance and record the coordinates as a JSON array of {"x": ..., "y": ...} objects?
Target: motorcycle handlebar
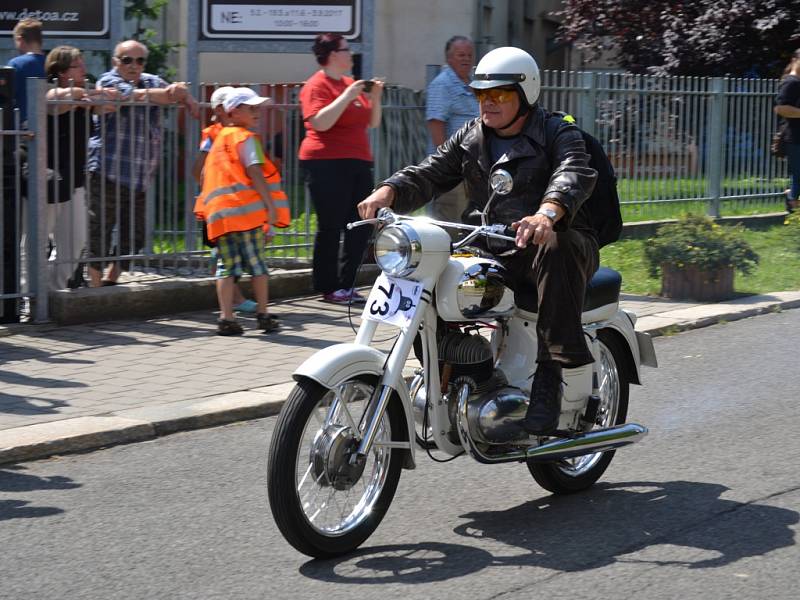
[{"x": 386, "y": 216}]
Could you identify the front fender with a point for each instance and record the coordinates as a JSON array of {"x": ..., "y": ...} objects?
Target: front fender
[{"x": 338, "y": 363}]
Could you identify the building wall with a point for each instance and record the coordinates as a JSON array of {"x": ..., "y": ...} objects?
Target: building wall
[{"x": 409, "y": 36}]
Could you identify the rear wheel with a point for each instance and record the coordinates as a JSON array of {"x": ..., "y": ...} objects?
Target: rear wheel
[
  {"x": 322, "y": 503},
  {"x": 570, "y": 475}
]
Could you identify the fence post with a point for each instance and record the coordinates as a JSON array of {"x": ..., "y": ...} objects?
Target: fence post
[
  {"x": 587, "y": 102},
  {"x": 715, "y": 146},
  {"x": 36, "y": 240}
]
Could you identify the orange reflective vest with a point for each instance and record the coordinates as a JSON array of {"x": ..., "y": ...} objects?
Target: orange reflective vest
[
  {"x": 210, "y": 132},
  {"x": 229, "y": 202}
]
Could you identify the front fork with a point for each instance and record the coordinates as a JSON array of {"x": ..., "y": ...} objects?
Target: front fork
[{"x": 423, "y": 321}]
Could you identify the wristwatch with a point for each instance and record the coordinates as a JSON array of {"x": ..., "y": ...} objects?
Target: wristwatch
[{"x": 549, "y": 213}]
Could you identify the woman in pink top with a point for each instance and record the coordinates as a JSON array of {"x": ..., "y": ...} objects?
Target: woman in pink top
[{"x": 337, "y": 163}]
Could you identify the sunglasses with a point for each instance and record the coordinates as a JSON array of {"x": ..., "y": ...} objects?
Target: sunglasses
[
  {"x": 126, "y": 60},
  {"x": 496, "y": 95}
]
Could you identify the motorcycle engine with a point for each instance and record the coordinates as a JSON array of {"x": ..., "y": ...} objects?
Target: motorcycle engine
[{"x": 465, "y": 354}]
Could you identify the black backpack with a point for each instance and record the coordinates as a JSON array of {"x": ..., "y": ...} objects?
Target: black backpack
[{"x": 603, "y": 204}]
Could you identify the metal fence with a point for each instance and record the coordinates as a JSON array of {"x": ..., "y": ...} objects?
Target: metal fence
[
  {"x": 699, "y": 143},
  {"x": 678, "y": 144}
]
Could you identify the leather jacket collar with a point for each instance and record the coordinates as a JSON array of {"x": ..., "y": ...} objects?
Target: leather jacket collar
[{"x": 474, "y": 142}]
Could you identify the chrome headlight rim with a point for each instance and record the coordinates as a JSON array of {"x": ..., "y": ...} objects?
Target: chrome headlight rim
[{"x": 411, "y": 260}]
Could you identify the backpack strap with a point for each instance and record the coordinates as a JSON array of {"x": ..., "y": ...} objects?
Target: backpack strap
[{"x": 552, "y": 123}]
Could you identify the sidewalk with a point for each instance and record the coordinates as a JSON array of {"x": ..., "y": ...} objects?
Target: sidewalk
[{"x": 82, "y": 387}]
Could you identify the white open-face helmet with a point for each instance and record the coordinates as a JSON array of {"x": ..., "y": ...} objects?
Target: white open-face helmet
[{"x": 508, "y": 66}]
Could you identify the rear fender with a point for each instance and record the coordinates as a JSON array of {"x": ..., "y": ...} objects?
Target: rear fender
[
  {"x": 622, "y": 325},
  {"x": 338, "y": 363}
]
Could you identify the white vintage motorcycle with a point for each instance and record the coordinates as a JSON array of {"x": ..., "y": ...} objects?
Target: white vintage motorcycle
[{"x": 353, "y": 421}]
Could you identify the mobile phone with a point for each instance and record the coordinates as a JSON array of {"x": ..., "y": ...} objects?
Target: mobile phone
[{"x": 368, "y": 86}]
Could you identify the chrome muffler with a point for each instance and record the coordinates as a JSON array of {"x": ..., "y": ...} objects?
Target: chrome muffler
[{"x": 598, "y": 440}]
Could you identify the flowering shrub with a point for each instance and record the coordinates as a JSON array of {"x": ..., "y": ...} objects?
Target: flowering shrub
[{"x": 697, "y": 240}]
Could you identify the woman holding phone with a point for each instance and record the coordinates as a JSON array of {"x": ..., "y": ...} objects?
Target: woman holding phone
[{"x": 337, "y": 163}]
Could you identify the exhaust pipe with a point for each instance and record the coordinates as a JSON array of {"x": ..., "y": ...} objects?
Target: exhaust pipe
[{"x": 598, "y": 440}]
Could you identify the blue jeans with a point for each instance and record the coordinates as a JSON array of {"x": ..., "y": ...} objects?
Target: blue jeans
[{"x": 793, "y": 156}]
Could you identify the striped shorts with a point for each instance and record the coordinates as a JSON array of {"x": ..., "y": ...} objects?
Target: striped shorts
[{"x": 242, "y": 252}]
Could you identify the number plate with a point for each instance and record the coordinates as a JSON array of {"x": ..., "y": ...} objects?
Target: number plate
[{"x": 392, "y": 301}]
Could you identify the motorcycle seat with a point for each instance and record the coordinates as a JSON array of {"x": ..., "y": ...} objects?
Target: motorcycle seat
[{"x": 602, "y": 291}]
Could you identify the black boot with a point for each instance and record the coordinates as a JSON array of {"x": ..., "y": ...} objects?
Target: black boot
[{"x": 545, "y": 406}]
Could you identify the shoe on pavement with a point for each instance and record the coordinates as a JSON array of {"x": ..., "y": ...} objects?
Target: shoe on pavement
[
  {"x": 267, "y": 322},
  {"x": 247, "y": 306},
  {"x": 337, "y": 297},
  {"x": 225, "y": 327},
  {"x": 545, "y": 406}
]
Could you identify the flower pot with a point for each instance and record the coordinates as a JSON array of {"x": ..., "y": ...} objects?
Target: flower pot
[{"x": 690, "y": 283}]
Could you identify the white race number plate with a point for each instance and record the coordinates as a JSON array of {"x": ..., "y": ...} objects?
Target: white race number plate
[{"x": 392, "y": 301}]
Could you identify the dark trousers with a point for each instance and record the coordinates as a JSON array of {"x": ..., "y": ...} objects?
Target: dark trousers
[
  {"x": 555, "y": 278},
  {"x": 9, "y": 307},
  {"x": 336, "y": 187},
  {"x": 105, "y": 197},
  {"x": 793, "y": 158}
]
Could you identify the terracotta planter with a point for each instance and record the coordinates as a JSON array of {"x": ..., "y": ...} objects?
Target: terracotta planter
[{"x": 691, "y": 283}]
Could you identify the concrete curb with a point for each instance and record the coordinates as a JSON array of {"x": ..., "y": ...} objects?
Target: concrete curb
[
  {"x": 152, "y": 299},
  {"x": 83, "y": 434}
]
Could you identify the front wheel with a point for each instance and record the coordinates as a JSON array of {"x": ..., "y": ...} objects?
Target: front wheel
[
  {"x": 570, "y": 475},
  {"x": 324, "y": 504}
]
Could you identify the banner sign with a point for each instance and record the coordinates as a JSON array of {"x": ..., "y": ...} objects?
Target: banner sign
[
  {"x": 288, "y": 20},
  {"x": 60, "y": 18}
]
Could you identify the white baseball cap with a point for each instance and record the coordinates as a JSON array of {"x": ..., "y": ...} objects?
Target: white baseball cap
[
  {"x": 219, "y": 95},
  {"x": 242, "y": 95}
]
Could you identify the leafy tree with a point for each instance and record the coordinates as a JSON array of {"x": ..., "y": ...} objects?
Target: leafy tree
[
  {"x": 158, "y": 52},
  {"x": 686, "y": 37}
]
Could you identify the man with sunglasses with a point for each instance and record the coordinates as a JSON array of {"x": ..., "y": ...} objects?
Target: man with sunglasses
[
  {"x": 556, "y": 250},
  {"x": 124, "y": 152}
]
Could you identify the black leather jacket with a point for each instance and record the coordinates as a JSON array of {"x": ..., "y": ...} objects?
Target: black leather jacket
[{"x": 560, "y": 173}]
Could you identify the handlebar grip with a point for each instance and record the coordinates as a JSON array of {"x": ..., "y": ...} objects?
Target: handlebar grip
[{"x": 508, "y": 231}]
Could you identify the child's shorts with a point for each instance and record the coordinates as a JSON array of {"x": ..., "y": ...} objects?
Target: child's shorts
[{"x": 242, "y": 252}]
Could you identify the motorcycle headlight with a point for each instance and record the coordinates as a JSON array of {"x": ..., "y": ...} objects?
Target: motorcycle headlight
[{"x": 398, "y": 250}]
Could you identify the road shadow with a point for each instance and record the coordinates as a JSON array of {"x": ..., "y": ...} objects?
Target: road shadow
[
  {"x": 13, "y": 479},
  {"x": 581, "y": 532}
]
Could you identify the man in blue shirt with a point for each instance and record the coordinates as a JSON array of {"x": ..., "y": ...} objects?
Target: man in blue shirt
[
  {"x": 124, "y": 152},
  {"x": 450, "y": 103},
  {"x": 28, "y": 40}
]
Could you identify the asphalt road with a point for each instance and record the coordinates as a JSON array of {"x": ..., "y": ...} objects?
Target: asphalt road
[{"x": 706, "y": 506}]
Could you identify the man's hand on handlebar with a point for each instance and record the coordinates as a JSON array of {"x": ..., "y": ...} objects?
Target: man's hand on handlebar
[
  {"x": 383, "y": 197},
  {"x": 538, "y": 228}
]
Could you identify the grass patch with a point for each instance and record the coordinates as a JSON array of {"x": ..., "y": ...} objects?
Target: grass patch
[{"x": 778, "y": 269}]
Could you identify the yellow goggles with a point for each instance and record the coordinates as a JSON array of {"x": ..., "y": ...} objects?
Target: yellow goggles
[{"x": 496, "y": 95}]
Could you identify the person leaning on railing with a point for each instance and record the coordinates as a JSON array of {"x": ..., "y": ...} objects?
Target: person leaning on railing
[
  {"x": 124, "y": 152},
  {"x": 66, "y": 160}
]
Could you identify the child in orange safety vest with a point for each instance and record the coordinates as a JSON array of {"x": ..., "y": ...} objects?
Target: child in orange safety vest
[
  {"x": 241, "y": 202},
  {"x": 208, "y": 135}
]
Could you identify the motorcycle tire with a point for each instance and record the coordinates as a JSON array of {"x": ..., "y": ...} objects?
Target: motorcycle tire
[
  {"x": 295, "y": 500},
  {"x": 569, "y": 476}
]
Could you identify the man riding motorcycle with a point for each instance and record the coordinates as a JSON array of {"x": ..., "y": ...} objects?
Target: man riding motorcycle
[{"x": 556, "y": 246}]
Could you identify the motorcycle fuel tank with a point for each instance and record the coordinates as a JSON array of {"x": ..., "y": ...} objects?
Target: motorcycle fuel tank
[{"x": 473, "y": 288}]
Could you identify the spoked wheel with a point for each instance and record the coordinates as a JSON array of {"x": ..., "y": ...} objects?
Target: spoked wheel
[
  {"x": 570, "y": 475},
  {"x": 323, "y": 503}
]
